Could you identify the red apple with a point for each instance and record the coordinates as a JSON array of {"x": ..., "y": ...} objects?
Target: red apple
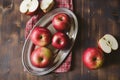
[
  {"x": 40, "y": 36},
  {"x": 61, "y": 22},
  {"x": 93, "y": 58},
  {"x": 41, "y": 57},
  {"x": 29, "y": 7},
  {"x": 60, "y": 40}
]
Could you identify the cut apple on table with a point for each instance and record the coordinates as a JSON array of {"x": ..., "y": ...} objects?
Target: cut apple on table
[
  {"x": 108, "y": 43},
  {"x": 46, "y": 5},
  {"x": 29, "y": 7}
]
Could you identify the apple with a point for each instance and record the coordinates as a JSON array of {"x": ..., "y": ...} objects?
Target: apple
[
  {"x": 60, "y": 40},
  {"x": 93, "y": 58},
  {"x": 41, "y": 36},
  {"x": 46, "y": 5},
  {"x": 29, "y": 7},
  {"x": 61, "y": 22},
  {"x": 108, "y": 43},
  {"x": 41, "y": 57}
]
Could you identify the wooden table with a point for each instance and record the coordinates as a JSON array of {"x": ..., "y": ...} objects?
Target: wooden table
[{"x": 95, "y": 17}]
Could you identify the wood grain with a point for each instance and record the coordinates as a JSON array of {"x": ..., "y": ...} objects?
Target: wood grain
[{"x": 95, "y": 17}]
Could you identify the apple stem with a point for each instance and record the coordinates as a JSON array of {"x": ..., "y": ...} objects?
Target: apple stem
[
  {"x": 40, "y": 37},
  {"x": 60, "y": 19},
  {"x": 40, "y": 59},
  {"x": 94, "y": 59}
]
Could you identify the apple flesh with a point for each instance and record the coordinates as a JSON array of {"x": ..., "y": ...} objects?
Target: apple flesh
[
  {"x": 41, "y": 36},
  {"x": 29, "y": 7},
  {"x": 41, "y": 57},
  {"x": 46, "y": 5},
  {"x": 61, "y": 22},
  {"x": 60, "y": 40},
  {"x": 93, "y": 58},
  {"x": 108, "y": 43}
]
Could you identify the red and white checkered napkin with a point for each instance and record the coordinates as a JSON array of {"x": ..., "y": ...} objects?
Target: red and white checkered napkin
[{"x": 65, "y": 66}]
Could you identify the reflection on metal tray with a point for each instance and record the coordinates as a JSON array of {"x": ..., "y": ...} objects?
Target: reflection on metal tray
[{"x": 60, "y": 55}]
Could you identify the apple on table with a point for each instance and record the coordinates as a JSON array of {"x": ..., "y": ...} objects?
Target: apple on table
[
  {"x": 41, "y": 36},
  {"x": 41, "y": 57},
  {"x": 61, "y": 22},
  {"x": 46, "y": 5},
  {"x": 93, "y": 58},
  {"x": 108, "y": 43},
  {"x": 29, "y": 7}
]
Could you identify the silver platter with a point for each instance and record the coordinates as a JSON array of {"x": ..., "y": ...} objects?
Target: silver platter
[{"x": 59, "y": 55}]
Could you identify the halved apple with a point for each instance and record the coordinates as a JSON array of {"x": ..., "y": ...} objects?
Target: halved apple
[
  {"x": 46, "y": 5},
  {"x": 29, "y": 7},
  {"x": 108, "y": 43}
]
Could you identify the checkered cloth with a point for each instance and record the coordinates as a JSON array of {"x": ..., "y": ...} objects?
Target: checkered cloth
[{"x": 65, "y": 66}]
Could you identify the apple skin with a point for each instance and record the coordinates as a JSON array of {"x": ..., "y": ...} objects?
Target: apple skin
[
  {"x": 61, "y": 22},
  {"x": 41, "y": 57},
  {"x": 41, "y": 36},
  {"x": 93, "y": 58},
  {"x": 60, "y": 40}
]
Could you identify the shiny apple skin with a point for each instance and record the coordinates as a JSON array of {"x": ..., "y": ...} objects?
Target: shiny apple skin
[
  {"x": 41, "y": 36},
  {"x": 93, "y": 58},
  {"x": 61, "y": 22},
  {"x": 41, "y": 57},
  {"x": 60, "y": 40}
]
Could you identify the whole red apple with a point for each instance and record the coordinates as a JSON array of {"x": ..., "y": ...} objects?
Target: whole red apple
[
  {"x": 93, "y": 58},
  {"x": 60, "y": 40},
  {"x": 29, "y": 7},
  {"x": 61, "y": 22},
  {"x": 41, "y": 57},
  {"x": 41, "y": 36}
]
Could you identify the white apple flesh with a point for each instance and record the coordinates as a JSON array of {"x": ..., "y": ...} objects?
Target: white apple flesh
[
  {"x": 46, "y": 5},
  {"x": 29, "y": 6},
  {"x": 108, "y": 43}
]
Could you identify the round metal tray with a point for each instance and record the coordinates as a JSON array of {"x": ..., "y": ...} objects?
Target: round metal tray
[{"x": 59, "y": 55}]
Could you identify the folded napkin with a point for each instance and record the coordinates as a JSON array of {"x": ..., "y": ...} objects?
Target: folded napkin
[{"x": 65, "y": 66}]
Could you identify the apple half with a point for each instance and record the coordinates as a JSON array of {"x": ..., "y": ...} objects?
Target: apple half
[
  {"x": 29, "y": 7},
  {"x": 108, "y": 43},
  {"x": 46, "y": 5}
]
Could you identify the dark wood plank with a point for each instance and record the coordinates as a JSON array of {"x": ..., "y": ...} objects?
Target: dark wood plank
[{"x": 95, "y": 17}]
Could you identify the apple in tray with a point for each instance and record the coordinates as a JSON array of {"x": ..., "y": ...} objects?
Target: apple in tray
[
  {"x": 60, "y": 40},
  {"x": 29, "y": 7},
  {"x": 108, "y": 43},
  {"x": 61, "y": 22},
  {"x": 93, "y": 58},
  {"x": 41, "y": 36},
  {"x": 41, "y": 57}
]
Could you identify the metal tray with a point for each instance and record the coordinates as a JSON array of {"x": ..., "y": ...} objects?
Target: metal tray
[{"x": 59, "y": 55}]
